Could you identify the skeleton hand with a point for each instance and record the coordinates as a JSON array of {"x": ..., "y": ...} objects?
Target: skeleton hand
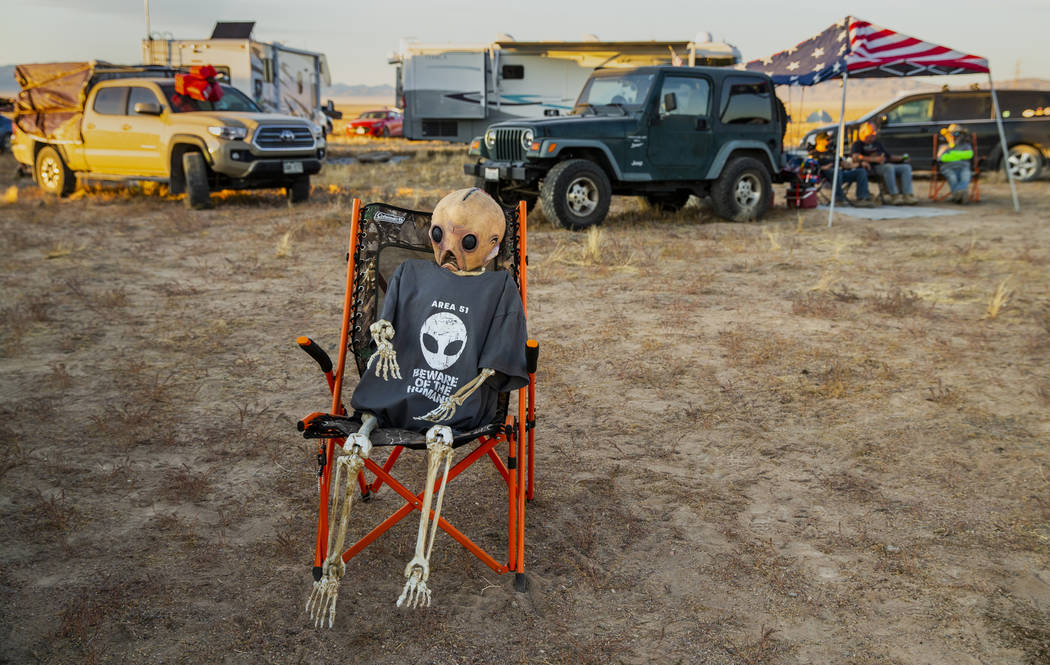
[
  {"x": 382, "y": 333},
  {"x": 447, "y": 409},
  {"x": 326, "y": 592},
  {"x": 416, "y": 592}
]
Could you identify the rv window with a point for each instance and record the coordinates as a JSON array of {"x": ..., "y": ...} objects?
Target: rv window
[
  {"x": 110, "y": 101},
  {"x": 964, "y": 107},
  {"x": 223, "y": 71},
  {"x": 267, "y": 67},
  {"x": 513, "y": 71},
  {"x": 440, "y": 128},
  {"x": 746, "y": 102}
]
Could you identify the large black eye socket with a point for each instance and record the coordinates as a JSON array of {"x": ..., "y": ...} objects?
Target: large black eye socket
[
  {"x": 470, "y": 242},
  {"x": 436, "y": 233}
]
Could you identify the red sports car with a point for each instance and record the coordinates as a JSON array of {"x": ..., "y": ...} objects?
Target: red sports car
[{"x": 385, "y": 123}]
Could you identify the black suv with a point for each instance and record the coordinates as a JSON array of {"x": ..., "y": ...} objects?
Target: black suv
[
  {"x": 664, "y": 133},
  {"x": 909, "y": 123}
]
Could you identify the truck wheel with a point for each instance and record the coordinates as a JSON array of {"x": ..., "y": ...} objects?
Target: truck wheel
[
  {"x": 385, "y": 133},
  {"x": 52, "y": 174},
  {"x": 298, "y": 190},
  {"x": 198, "y": 196},
  {"x": 743, "y": 192},
  {"x": 505, "y": 199},
  {"x": 667, "y": 201},
  {"x": 575, "y": 194},
  {"x": 1024, "y": 162}
]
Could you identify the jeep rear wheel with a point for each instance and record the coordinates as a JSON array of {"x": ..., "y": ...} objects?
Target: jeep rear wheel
[
  {"x": 198, "y": 195},
  {"x": 743, "y": 192},
  {"x": 575, "y": 194},
  {"x": 52, "y": 174}
]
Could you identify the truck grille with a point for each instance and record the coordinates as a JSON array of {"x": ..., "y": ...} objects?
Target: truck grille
[
  {"x": 508, "y": 145},
  {"x": 283, "y": 138}
]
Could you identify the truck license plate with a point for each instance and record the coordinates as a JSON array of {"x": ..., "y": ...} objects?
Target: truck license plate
[
  {"x": 293, "y": 167},
  {"x": 491, "y": 174}
]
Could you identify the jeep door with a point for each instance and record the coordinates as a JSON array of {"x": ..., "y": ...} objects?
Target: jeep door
[
  {"x": 680, "y": 135},
  {"x": 908, "y": 128},
  {"x": 142, "y": 134},
  {"x": 102, "y": 131}
]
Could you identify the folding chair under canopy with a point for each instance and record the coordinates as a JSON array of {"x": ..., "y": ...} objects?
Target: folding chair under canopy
[{"x": 381, "y": 238}]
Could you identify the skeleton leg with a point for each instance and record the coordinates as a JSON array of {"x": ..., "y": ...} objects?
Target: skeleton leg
[
  {"x": 439, "y": 449},
  {"x": 325, "y": 592},
  {"x": 447, "y": 409}
]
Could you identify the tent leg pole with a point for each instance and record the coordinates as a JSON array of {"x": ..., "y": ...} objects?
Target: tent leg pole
[
  {"x": 838, "y": 151},
  {"x": 1002, "y": 140}
]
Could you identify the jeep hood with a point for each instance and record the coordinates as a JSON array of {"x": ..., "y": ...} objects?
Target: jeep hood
[{"x": 577, "y": 126}]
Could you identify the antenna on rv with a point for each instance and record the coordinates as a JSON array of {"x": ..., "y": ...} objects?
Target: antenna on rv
[
  {"x": 591, "y": 37},
  {"x": 703, "y": 37},
  {"x": 149, "y": 35},
  {"x": 504, "y": 37}
]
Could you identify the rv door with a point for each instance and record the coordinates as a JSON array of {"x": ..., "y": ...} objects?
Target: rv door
[{"x": 446, "y": 85}]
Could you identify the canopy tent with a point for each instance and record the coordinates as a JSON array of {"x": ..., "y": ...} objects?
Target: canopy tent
[{"x": 854, "y": 48}]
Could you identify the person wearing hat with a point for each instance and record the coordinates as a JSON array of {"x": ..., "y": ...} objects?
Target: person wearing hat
[
  {"x": 824, "y": 154},
  {"x": 953, "y": 157},
  {"x": 870, "y": 153}
]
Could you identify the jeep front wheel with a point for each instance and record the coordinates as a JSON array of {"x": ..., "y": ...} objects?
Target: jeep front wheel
[
  {"x": 575, "y": 194},
  {"x": 743, "y": 192},
  {"x": 52, "y": 174}
]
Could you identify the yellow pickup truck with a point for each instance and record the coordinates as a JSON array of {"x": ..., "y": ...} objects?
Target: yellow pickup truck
[{"x": 95, "y": 121}]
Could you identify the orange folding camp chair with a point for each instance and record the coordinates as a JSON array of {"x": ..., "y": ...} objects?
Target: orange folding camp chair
[
  {"x": 381, "y": 237},
  {"x": 938, "y": 185}
]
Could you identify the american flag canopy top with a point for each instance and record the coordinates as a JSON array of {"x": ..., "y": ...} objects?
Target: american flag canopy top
[{"x": 865, "y": 50}]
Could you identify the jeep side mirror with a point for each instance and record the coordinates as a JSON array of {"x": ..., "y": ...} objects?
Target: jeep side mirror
[
  {"x": 670, "y": 102},
  {"x": 147, "y": 108}
]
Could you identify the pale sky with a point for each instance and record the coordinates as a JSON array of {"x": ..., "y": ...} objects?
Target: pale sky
[{"x": 358, "y": 35}]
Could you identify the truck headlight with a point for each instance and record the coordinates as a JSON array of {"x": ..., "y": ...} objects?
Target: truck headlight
[
  {"x": 526, "y": 138},
  {"x": 490, "y": 139},
  {"x": 228, "y": 133}
]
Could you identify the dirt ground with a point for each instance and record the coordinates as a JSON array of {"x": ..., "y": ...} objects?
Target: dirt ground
[{"x": 770, "y": 443}]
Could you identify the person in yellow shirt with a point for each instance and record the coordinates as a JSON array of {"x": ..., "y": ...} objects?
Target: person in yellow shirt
[{"x": 954, "y": 156}]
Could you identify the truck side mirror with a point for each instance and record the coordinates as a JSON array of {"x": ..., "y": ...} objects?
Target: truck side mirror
[
  {"x": 147, "y": 108},
  {"x": 670, "y": 102}
]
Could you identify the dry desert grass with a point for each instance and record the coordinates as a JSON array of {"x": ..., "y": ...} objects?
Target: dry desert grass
[{"x": 772, "y": 443}]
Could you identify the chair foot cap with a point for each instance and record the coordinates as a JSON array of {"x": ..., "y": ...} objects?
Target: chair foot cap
[{"x": 521, "y": 583}]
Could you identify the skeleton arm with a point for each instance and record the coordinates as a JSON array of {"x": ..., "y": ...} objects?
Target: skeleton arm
[
  {"x": 447, "y": 409},
  {"x": 386, "y": 367}
]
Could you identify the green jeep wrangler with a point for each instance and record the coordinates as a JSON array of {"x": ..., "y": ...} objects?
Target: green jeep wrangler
[{"x": 663, "y": 133}]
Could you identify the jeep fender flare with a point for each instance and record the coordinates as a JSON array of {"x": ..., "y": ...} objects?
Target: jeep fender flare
[
  {"x": 564, "y": 145},
  {"x": 727, "y": 150}
]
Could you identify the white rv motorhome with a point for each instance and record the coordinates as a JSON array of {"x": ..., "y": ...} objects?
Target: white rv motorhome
[
  {"x": 452, "y": 92},
  {"x": 279, "y": 78}
]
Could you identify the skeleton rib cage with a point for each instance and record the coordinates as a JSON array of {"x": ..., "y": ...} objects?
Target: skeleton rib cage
[{"x": 382, "y": 237}]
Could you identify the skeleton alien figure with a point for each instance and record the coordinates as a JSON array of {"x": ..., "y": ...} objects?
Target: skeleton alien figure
[{"x": 449, "y": 339}]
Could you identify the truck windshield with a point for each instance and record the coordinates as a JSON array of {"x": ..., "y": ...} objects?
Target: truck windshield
[
  {"x": 232, "y": 100},
  {"x": 615, "y": 94}
]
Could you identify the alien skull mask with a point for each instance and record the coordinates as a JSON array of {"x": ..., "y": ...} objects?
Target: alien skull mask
[
  {"x": 442, "y": 337},
  {"x": 466, "y": 229}
]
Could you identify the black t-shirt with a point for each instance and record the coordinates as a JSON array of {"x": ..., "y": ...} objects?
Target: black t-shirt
[
  {"x": 826, "y": 159},
  {"x": 447, "y": 328},
  {"x": 869, "y": 149}
]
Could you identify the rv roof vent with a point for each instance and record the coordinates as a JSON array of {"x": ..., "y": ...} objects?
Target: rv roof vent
[
  {"x": 504, "y": 37},
  {"x": 591, "y": 37},
  {"x": 233, "y": 30},
  {"x": 704, "y": 37}
]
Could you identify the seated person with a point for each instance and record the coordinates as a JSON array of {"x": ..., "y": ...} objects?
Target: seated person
[
  {"x": 870, "y": 153},
  {"x": 823, "y": 153},
  {"x": 953, "y": 157}
]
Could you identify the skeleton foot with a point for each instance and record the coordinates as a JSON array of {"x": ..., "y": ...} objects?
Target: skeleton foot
[
  {"x": 416, "y": 593},
  {"x": 325, "y": 593}
]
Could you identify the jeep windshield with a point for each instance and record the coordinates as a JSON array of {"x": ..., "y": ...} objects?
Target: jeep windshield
[
  {"x": 614, "y": 94},
  {"x": 232, "y": 100}
]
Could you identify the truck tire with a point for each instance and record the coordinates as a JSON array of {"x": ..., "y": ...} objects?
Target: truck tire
[
  {"x": 298, "y": 190},
  {"x": 1024, "y": 162},
  {"x": 52, "y": 174},
  {"x": 575, "y": 194},
  {"x": 743, "y": 192},
  {"x": 667, "y": 201},
  {"x": 505, "y": 199},
  {"x": 198, "y": 196}
]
